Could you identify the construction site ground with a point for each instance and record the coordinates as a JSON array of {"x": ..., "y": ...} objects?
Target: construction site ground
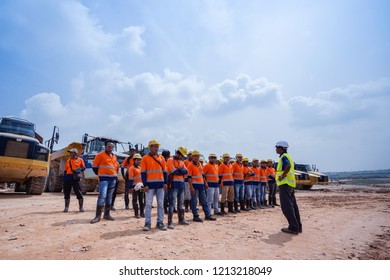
[{"x": 339, "y": 223}]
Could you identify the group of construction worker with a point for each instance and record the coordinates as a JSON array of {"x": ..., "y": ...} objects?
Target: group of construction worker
[{"x": 183, "y": 182}]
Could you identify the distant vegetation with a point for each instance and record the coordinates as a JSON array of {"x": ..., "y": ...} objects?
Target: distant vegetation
[{"x": 366, "y": 177}]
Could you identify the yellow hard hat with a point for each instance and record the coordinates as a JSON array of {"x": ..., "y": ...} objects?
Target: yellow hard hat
[
  {"x": 201, "y": 160},
  {"x": 153, "y": 142},
  {"x": 195, "y": 153},
  {"x": 255, "y": 159},
  {"x": 225, "y": 155},
  {"x": 245, "y": 159},
  {"x": 232, "y": 160},
  {"x": 270, "y": 160},
  {"x": 182, "y": 150},
  {"x": 238, "y": 155},
  {"x": 137, "y": 156},
  {"x": 212, "y": 155},
  {"x": 263, "y": 161}
]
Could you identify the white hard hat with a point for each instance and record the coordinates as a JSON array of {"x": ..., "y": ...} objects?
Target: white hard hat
[
  {"x": 282, "y": 144},
  {"x": 138, "y": 186}
]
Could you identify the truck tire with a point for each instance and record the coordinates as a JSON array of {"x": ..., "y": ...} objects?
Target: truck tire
[
  {"x": 55, "y": 181},
  {"x": 19, "y": 187},
  {"x": 88, "y": 185},
  {"x": 35, "y": 185},
  {"x": 307, "y": 187}
]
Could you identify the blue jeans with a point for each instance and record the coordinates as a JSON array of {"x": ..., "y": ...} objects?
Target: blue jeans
[
  {"x": 160, "y": 205},
  {"x": 106, "y": 190},
  {"x": 239, "y": 192},
  {"x": 263, "y": 192},
  {"x": 256, "y": 193},
  {"x": 175, "y": 194},
  {"x": 201, "y": 194},
  {"x": 248, "y": 191},
  {"x": 213, "y": 198}
]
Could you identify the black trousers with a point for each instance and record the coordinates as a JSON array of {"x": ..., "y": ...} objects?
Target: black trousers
[
  {"x": 138, "y": 196},
  {"x": 75, "y": 184},
  {"x": 289, "y": 206}
]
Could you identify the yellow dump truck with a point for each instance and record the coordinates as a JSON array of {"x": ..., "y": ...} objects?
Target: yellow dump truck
[
  {"x": 24, "y": 160},
  {"x": 316, "y": 178}
]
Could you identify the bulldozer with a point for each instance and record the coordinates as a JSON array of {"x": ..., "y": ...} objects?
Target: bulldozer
[
  {"x": 88, "y": 149},
  {"x": 24, "y": 160}
]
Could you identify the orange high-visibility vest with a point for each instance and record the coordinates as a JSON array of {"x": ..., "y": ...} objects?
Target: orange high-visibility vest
[
  {"x": 107, "y": 164},
  {"x": 195, "y": 172}
]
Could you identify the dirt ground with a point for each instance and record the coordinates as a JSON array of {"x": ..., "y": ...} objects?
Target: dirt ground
[{"x": 339, "y": 222}]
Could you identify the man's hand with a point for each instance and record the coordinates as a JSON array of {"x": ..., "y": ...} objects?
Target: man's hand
[
  {"x": 146, "y": 188},
  {"x": 192, "y": 190},
  {"x": 165, "y": 186}
]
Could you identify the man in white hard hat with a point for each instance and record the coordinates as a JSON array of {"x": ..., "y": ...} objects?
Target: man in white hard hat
[{"x": 285, "y": 180}]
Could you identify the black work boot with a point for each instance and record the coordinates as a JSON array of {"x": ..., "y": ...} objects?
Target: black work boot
[
  {"x": 186, "y": 205},
  {"x": 230, "y": 207},
  {"x": 274, "y": 202},
  {"x": 107, "y": 215},
  {"x": 98, "y": 214},
  {"x": 236, "y": 207},
  {"x": 182, "y": 220},
  {"x": 81, "y": 203},
  {"x": 170, "y": 222},
  {"x": 165, "y": 207},
  {"x": 242, "y": 205},
  {"x": 223, "y": 209},
  {"x": 253, "y": 205},
  {"x": 67, "y": 202}
]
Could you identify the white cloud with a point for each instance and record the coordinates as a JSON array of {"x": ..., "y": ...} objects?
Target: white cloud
[
  {"x": 130, "y": 40},
  {"x": 343, "y": 105}
]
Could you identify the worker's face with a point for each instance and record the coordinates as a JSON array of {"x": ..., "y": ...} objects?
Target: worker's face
[
  {"x": 256, "y": 163},
  {"x": 73, "y": 155},
  {"x": 226, "y": 160},
  {"x": 109, "y": 147},
  {"x": 239, "y": 159},
  {"x": 279, "y": 150},
  {"x": 154, "y": 149},
  {"x": 270, "y": 163},
  {"x": 245, "y": 163},
  {"x": 137, "y": 162},
  {"x": 195, "y": 159},
  {"x": 212, "y": 160}
]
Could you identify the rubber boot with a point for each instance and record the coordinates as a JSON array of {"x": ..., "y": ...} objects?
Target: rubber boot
[
  {"x": 98, "y": 214},
  {"x": 67, "y": 202},
  {"x": 242, "y": 205},
  {"x": 170, "y": 222},
  {"x": 236, "y": 207},
  {"x": 186, "y": 205},
  {"x": 81, "y": 203},
  {"x": 223, "y": 209},
  {"x": 249, "y": 204},
  {"x": 274, "y": 200},
  {"x": 107, "y": 215},
  {"x": 253, "y": 205},
  {"x": 182, "y": 220},
  {"x": 230, "y": 207}
]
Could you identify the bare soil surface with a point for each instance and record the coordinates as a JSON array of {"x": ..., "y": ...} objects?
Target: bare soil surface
[{"x": 339, "y": 222}]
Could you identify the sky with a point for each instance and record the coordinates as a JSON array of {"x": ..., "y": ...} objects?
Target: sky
[{"x": 219, "y": 76}]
